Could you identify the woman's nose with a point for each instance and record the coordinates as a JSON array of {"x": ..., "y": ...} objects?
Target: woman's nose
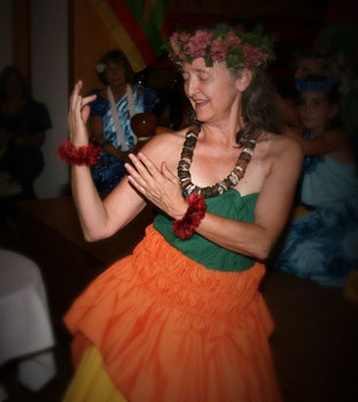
[{"x": 191, "y": 87}]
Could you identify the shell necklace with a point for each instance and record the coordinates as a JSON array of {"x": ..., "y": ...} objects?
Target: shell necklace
[{"x": 248, "y": 144}]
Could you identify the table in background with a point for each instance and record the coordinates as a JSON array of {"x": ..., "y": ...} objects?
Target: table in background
[{"x": 25, "y": 331}]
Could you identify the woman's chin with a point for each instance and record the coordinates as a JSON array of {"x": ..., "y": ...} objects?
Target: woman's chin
[{"x": 203, "y": 117}]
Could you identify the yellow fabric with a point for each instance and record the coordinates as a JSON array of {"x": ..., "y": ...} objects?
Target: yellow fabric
[
  {"x": 91, "y": 382},
  {"x": 300, "y": 210},
  {"x": 351, "y": 288}
]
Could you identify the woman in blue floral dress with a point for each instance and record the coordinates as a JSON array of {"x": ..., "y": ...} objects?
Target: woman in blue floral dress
[
  {"x": 111, "y": 114},
  {"x": 322, "y": 244}
]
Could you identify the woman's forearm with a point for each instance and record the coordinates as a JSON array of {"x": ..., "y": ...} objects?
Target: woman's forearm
[
  {"x": 244, "y": 238},
  {"x": 101, "y": 218},
  {"x": 91, "y": 210}
]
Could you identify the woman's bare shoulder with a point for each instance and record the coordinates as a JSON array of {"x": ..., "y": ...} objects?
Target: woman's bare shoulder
[
  {"x": 283, "y": 143},
  {"x": 288, "y": 153},
  {"x": 165, "y": 146},
  {"x": 165, "y": 139},
  {"x": 280, "y": 144},
  {"x": 281, "y": 150}
]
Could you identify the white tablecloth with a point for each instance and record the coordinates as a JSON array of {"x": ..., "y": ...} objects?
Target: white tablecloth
[{"x": 25, "y": 327}]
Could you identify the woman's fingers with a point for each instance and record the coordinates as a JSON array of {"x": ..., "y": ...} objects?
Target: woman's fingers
[
  {"x": 145, "y": 166},
  {"x": 151, "y": 168},
  {"x": 168, "y": 173},
  {"x": 78, "y": 107},
  {"x": 75, "y": 94},
  {"x": 136, "y": 185},
  {"x": 136, "y": 175},
  {"x": 85, "y": 113},
  {"x": 145, "y": 176},
  {"x": 77, "y": 101},
  {"x": 78, "y": 115},
  {"x": 88, "y": 99},
  {"x": 159, "y": 186}
]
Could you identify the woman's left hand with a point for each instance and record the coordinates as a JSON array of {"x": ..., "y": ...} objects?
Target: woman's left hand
[{"x": 161, "y": 187}]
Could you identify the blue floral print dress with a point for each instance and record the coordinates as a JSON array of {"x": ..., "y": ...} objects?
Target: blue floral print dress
[
  {"x": 322, "y": 245},
  {"x": 110, "y": 170}
]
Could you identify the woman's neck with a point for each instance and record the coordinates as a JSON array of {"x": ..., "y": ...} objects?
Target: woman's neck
[
  {"x": 119, "y": 91},
  {"x": 224, "y": 129},
  {"x": 223, "y": 132}
]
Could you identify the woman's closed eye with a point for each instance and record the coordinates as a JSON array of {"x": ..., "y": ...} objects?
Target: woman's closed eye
[{"x": 204, "y": 77}]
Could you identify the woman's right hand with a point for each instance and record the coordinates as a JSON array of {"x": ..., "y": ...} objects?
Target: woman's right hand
[{"x": 78, "y": 116}]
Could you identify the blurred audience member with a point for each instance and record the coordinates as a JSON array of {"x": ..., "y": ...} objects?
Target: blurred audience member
[
  {"x": 111, "y": 114},
  {"x": 23, "y": 123},
  {"x": 322, "y": 243}
]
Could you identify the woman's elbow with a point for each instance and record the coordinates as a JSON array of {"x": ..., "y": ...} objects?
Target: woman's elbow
[
  {"x": 93, "y": 236},
  {"x": 262, "y": 251},
  {"x": 91, "y": 239}
]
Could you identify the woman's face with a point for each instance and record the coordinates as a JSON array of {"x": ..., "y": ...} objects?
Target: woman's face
[
  {"x": 212, "y": 91},
  {"x": 315, "y": 110},
  {"x": 115, "y": 74}
]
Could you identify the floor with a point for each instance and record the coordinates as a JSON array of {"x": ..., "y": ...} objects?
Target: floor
[
  {"x": 54, "y": 390},
  {"x": 314, "y": 345}
]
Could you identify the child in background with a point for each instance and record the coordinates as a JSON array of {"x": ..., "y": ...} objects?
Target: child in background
[
  {"x": 307, "y": 62},
  {"x": 322, "y": 245}
]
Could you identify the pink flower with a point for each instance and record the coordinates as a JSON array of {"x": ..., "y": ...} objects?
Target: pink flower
[
  {"x": 254, "y": 56},
  {"x": 202, "y": 38},
  {"x": 232, "y": 39},
  {"x": 184, "y": 37},
  {"x": 196, "y": 47},
  {"x": 218, "y": 50},
  {"x": 174, "y": 36}
]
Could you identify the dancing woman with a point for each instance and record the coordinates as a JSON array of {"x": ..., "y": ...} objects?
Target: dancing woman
[{"x": 181, "y": 319}]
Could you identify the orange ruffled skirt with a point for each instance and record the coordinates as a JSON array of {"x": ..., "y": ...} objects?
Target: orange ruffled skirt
[{"x": 170, "y": 330}]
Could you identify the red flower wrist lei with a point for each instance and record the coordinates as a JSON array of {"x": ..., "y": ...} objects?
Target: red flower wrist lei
[
  {"x": 79, "y": 156},
  {"x": 185, "y": 227}
]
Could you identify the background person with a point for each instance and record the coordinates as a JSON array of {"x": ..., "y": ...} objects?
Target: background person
[
  {"x": 23, "y": 123},
  {"x": 322, "y": 244},
  {"x": 111, "y": 114}
]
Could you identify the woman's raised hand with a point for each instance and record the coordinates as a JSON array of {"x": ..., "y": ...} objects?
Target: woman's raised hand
[
  {"x": 161, "y": 187},
  {"x": 78, "y": 116}
]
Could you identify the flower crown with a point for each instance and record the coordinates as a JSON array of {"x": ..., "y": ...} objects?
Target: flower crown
[
  {"x": 315, "y": 84},
  {"x": 222, "y": 44}
]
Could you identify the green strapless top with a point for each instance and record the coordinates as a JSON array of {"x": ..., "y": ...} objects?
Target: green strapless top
[{"x": 229, "y": 205}]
